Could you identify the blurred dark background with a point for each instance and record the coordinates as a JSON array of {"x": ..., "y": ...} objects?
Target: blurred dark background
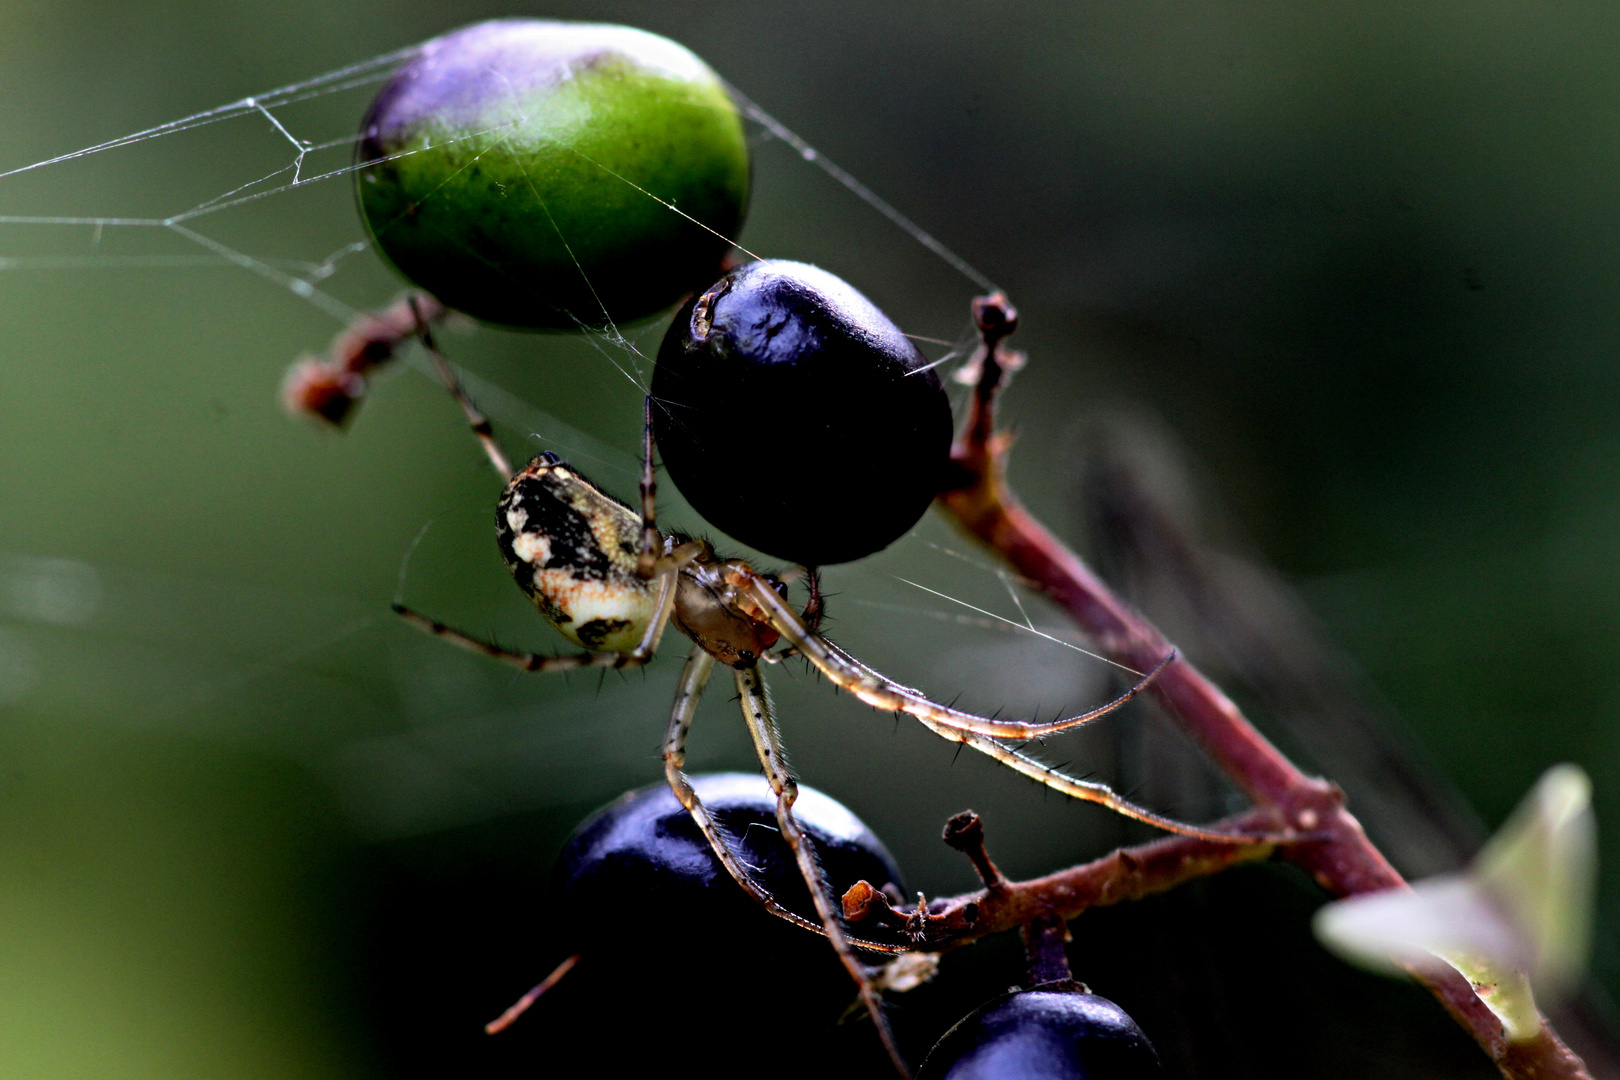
[{"x": 1320, "y": 287}]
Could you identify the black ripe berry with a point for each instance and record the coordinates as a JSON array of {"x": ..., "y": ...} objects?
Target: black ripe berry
[
  {"x": 796, "y": 417},
  {"x": 639, "y": 869},
  {"x": 677, "y": 964},
  {"x": 1044, "y": 1035}
]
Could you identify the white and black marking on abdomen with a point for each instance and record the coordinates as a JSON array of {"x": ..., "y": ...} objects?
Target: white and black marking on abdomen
[{"x": 572, "y": 548}]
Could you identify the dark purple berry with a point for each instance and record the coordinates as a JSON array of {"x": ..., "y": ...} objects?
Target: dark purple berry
[
  {"x": 678, "y": 965},
  {"x": 639, "y": 869},
  {"x": 1044, "y": 1034},
  {"x": 796, "y": 418}
]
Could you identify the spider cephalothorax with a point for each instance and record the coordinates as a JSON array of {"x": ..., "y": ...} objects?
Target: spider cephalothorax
[{"x": 714, "y": 609}]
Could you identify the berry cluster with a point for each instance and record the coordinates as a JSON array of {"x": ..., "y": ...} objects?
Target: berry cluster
[{"x": 637, "y": 880}]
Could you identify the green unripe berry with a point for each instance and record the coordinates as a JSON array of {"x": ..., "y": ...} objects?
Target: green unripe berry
[{"x": 519, "y": 170}]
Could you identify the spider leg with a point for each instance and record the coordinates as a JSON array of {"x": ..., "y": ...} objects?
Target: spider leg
[
  {"x": 663, "y": 607},
  {"x": 814, "y": 608},
  {"x": 756, "y": 707},
  {"x": 693, "y": 678},
  {"x": 884, "y": 693},
  {"x": 476, "y": 420},
  {"x": 1088, "y": 790},
  {"x": 877, "y": 690},
  {"x": 523, "y": 661},
  {"x": 648, "y": 554}
]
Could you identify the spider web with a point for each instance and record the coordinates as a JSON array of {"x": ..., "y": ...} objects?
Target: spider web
[
  {"x": 264, "y": 194},
  {"x": 321, "y": 159}
]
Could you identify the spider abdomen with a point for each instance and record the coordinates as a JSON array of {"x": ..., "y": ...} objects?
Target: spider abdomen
[
  {"x": 572, "y": 548},
  {"x": 795, "y": 416}
]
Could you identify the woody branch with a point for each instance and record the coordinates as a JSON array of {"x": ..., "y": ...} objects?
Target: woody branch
[{"x": 1335, "y": 851}]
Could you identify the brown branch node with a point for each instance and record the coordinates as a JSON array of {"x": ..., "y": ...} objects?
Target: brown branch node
[
  {"x": 965, "y": 833},
  {"x": 863, "y": 903}
]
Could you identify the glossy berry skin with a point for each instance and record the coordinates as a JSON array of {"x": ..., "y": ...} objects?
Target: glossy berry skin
[
  {"x": 1044, "y": 1034},
  {"x": 640, "y": 869},
  {"x": 678, "y": 965},
  {"x": 503, "y": 162},
  {"x": 796, "y": 418}
]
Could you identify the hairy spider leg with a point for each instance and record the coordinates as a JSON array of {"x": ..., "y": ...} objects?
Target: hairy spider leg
[
  {"x": 756, "y": 708},
  {"x": 814, "y": 608},
  {"x": 1088, "y": 790},
  {"x": 649, "y": 495},
  {"x": 481, "y": 429},
  {"x": 693, "y": 679},
  {"x": 879, "y": 691}
]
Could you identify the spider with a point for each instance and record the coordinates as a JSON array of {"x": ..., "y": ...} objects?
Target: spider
[{"x": 612, "y": 582}]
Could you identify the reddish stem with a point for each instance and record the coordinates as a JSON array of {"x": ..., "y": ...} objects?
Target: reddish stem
[
  {"x": 1340, "y": 857},
  {"x": 1126, "y": 874}
]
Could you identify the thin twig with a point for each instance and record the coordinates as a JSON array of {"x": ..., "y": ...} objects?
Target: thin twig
[{"x": 1127, "y": 874}]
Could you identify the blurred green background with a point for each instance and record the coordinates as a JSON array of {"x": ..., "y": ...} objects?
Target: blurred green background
[{"x": 1340, "y": 277}]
